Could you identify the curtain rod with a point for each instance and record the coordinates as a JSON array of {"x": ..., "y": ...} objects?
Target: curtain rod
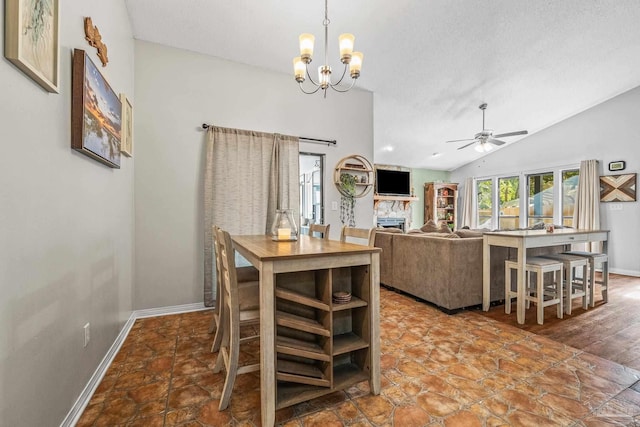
[{"x": 302, "y": 138}]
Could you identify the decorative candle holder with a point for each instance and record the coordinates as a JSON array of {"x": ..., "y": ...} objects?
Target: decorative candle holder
[{"x": 284, "y": 226}]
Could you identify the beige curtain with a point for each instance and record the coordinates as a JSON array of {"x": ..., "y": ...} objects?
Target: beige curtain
[
  {"x": 586, "y": 214},
  {"x": 248, "y": 175},
  {"x": 467, "y": 218}
]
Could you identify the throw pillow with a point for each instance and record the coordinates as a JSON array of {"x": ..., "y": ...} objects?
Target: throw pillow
[
  {"x": 444, "y": 228},
  {"x": 415, "y": 231},
  {"x": 430, "y": 227}
]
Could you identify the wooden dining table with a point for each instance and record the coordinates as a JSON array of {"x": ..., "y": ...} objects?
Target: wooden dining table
[
  {"x": 523, "y": 239},
  {"x": 329, "y": 261}
]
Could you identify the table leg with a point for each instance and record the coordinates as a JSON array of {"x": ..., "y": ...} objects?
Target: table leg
[
  {"x": 374, "y": 309},
  {"x": 521, "y": 281},
  {"x": 486, "y": 273},
  {"x": 267, "y": 345}
]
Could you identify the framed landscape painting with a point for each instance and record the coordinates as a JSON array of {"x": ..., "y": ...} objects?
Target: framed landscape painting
[
  {"x": 96, "y": 113},
  {"x": 31, "y": 40}
]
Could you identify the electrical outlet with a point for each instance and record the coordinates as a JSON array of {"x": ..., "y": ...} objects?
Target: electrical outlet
[
  {"x": 87, "y": 334},
  {"x": 334, "y": 206}
]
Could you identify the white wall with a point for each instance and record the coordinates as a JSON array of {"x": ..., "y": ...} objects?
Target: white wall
[
  {"x": 606, "y": 132},
  {"x": 176, "y": 92},
  {"x": 66, "y": 230}
]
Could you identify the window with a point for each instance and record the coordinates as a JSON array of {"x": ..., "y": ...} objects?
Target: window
[
  {"x": 509, "y": 199},
  {"x": 569, "y": 187},
  {"x": 546, "y": 196},
  {"x": 484, "y": 206},
  {"x": 540, "y": 208}
]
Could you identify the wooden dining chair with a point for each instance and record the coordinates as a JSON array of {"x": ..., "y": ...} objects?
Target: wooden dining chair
[
  {"x": 231, "y": 318},
  {"x": 366, "y": 234},
  {"x": 321, "y": 229},
  {"x": 248, "y": 279}
]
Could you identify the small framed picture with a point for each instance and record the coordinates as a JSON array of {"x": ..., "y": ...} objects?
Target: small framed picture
[
  {"x": 32, "y": 41},
  {"x": 618, "y": 165},
  {"x": 126, "y": 146}
]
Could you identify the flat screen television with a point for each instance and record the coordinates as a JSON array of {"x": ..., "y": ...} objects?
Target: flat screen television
[{"x": 393, "y": 182}]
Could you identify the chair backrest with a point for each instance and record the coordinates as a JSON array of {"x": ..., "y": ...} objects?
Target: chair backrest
[
  {"x": 228, "y": 278},
  {"x": 367, "y": 234},
  {"x": 323, "y": 230}
]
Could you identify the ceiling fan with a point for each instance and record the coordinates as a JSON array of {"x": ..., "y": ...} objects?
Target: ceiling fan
[{"x": 486, "y": 137}]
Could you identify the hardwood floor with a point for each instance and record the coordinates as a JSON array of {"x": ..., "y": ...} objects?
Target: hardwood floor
[{"x": 611, "y": 330}]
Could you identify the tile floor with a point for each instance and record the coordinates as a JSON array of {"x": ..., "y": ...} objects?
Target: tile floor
[{"x": 437, "y": 370}]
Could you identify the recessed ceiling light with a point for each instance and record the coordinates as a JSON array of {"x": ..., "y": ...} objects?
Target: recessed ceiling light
[
  {"x": 434, "y": 155},
  {"x": 387, "y": 148}
]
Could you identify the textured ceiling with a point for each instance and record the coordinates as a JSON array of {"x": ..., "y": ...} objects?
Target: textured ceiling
[{"x": 430, "y": 63}]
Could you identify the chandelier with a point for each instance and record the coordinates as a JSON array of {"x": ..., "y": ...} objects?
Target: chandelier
[{"x": 351, "y": 60}]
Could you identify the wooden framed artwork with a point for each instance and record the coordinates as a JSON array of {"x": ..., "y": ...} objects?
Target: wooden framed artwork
[
  {"x": 31, "y": 40},
  {"x": 96, "y": 113},
  {"x": 126, "y": 143},
  {"x": 618, "y": 188}
]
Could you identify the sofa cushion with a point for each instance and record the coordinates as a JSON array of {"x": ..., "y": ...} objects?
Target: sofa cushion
[
  {"x": 388, "y": 230},
  {"x": 444, "y": 235},
  {"x": 465, "y": 234},
  {"x": 430, "y": 227}
]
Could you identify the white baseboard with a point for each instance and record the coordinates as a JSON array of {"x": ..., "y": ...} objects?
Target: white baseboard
[
  {"x": 85, "y": 396},
  {"x": 624, "y": 272},
  {"x": 174, "y": 309}
]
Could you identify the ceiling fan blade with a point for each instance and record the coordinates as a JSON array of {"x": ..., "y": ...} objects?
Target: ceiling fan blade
[
  {"x": 460, "y": 140},
  {"x": 465, "y": 146},
  {"x": 520, "y": 132},
  {"x": 496, "y": 141}
]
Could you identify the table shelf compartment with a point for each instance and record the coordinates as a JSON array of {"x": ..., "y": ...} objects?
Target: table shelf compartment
[
  {"x": 301, "y": 323},
  {"x": 310, "y": 349},
  {"x": 348, "y": 342},
  {"x": 303, "y": 371}
]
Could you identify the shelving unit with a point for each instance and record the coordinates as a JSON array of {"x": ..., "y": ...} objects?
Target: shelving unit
[
  {"x": 360, "y": 168},
  {"x": 321, "y": 346},
  {"x": 440, "y": 202}
]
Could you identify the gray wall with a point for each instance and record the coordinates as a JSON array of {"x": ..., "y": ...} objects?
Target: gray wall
[
  {"x": 178, "y": 90},
  {"x": 66, "y": 230},
  {"x": 606, "y": 132}
]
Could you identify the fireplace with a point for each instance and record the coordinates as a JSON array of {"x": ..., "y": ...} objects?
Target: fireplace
[{"x": 392, "y": 222}]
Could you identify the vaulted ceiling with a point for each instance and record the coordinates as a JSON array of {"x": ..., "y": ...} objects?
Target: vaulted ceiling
[{"x": 430, "y": 63}]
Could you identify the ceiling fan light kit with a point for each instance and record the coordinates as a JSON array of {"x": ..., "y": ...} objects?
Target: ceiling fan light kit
[
  {"x": 485, "y": 139},
  {"x": 351, "y": 60}
]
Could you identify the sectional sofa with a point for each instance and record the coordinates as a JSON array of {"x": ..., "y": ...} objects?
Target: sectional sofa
[{"x": 444, "y": 269}]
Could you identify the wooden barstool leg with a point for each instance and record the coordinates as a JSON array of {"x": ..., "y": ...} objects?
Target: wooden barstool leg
[
  {"x": 585, "y": 285},
  {"x": 605, "y": 281},
  {"x": 507, "y": 289},
  {"x": 558, "y": 279},
  {"x": 540, "y": 295}
]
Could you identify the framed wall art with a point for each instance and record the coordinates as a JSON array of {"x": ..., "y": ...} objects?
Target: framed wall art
[
  {"x": 32, "y": 40},
  {"x": 96, "y": 113},
  {"x": 126, "y": 143},
  {"x": 618, "y": 188}
]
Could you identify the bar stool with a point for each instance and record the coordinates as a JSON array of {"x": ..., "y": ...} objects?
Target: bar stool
[
  {"x": 248, "y": 279},
  {"x": 231, "y": 318},
  {"x": 574, "y": 287},
  {"x": 595, "y": 259},
  {"x": 536, "y": 294}
]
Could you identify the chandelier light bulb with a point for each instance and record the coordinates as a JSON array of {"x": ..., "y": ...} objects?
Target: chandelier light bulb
[
  {"x": 356, "y": 64},
  {"x": 306, "y": 47},
  {"x": 346, "y": 41},
  {"x": 298, "y": 69}
]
